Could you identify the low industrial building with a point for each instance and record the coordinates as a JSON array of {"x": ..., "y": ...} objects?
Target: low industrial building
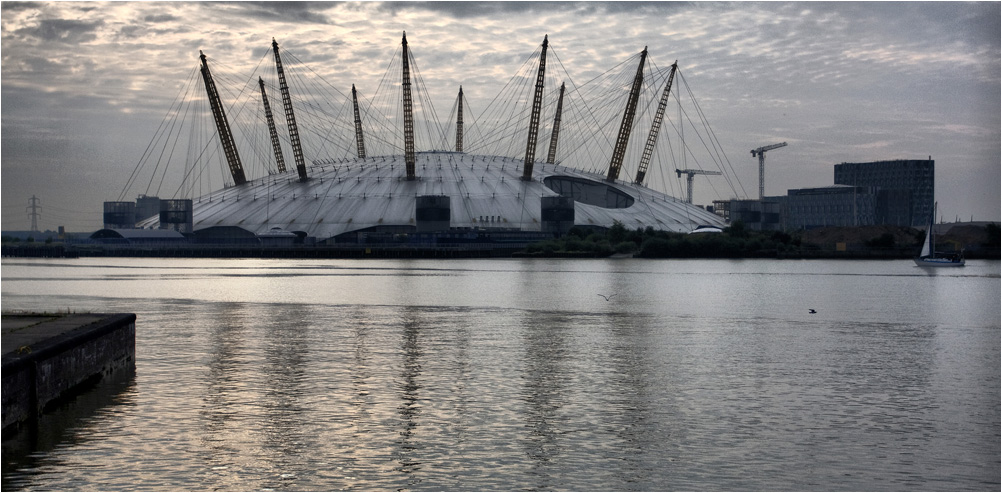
[
  {"x": 894, "y": 193},
  {"x": 837, "y": 205}
]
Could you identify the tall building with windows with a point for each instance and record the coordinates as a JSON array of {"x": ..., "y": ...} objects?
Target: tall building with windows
[{"x": 905, "y": 188}]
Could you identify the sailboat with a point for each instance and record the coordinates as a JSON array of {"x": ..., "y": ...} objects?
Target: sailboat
[{"x": 929, "y": 257}]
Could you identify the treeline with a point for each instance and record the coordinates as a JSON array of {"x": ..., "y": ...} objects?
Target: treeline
[{"x": 736, "y": 241}]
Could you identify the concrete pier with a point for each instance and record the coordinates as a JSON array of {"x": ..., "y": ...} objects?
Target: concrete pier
[{"x": 50, "y": 357}]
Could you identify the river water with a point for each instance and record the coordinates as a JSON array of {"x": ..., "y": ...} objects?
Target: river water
[{"x": 516, "y": 375}]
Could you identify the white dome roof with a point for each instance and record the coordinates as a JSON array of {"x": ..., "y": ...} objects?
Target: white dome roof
[{"x": 484, "y": 191}]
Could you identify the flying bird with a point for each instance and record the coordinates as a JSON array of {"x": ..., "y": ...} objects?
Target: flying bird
[
  {"x": 813, "y": 311},
  {"x": 607, "y": 298}
]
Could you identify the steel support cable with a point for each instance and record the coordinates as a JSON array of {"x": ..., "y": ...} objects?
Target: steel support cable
[
  {"x": 239, "y": 125},
  {"x": 170, "y": 110},
  {"x": 487, "y": 117},
  {"x": 685, "y": 150},
  {"x": 262, "y": 138},
  {"x": 497, "y": 119},
  {"x": 288, "y": 53},
  {"x": 667, "y": 185},
  {"x": 708, "y": 149},
  {"x": 194, "y": 143},
  {"x": 386, "y": 98},
  {"x": 717, "y": 162},
  {"x": 199, "y": 159},
  {"x": 312, "y": 96},
  {"x": 688, "y": 118},
  {"x": 499, "y": 115},
  {"x": 313, "y": 116},
  {"x": 327, "y": 142},
  {"x": 472, "y": 129},
  {"x": 376, "y": 120},
  {"x": 517, "y": 121},
  {"x": 320, "y": 207},
  {"x": 167, "y": 140},
  {"x": 381, "y": 126},
  {"x": 374, "y": 124},
  {"x": 700, "y": 111},
  {"x": 577, "y": 120},
  {"x": 252, "y": 98},
  {"x": 253, "y": 141},
  {"x": 225, "y": 77},
  {"x": 169, "y": 157},
  {"x": 432, "y": 122},
  {"x": 267, "y": 117},
  {"x": 448, "y": 125}
]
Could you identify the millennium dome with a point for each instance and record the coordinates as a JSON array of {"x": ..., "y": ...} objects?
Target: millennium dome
[{"x": 408, "y": 190}]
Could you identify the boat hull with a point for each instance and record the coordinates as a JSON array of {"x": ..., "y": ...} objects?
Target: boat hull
[{"x": 938, "y": 262}]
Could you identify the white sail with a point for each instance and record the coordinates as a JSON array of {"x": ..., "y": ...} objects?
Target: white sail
[{"x": 927, "y": 246}]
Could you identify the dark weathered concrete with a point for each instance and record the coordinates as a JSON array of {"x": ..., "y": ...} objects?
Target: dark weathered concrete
[{"x": 46, "y": 358}]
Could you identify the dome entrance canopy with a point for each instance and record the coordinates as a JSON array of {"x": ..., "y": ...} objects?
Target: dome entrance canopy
[{"x": 589, "y": 192}]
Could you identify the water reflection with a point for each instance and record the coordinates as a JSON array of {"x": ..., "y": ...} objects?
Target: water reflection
[
  {"x": 643, "y": 410},
  {"x": 409, "y": 388},
  {"x": 286, "y": 349},
  {"x": 544, "y": 378},
  {"x": 67, "y": 424},
  {"x": 515, "y": 375}
]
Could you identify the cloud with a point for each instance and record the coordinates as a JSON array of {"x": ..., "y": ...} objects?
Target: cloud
[
  {"x": 839, "y": 81},
  {"x": 62, "y": 30}
]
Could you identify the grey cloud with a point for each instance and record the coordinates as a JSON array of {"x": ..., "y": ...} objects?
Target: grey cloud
[
  {"x": 462, "y": 9},
  {"x": 17, "y": 6},
  {"x": 831, "y": 78},
  {"x": 160, "y": 18},
  {"x": 306, "y": 12},
  {"x": 62, "y": 30},
  {"x": 490, "y": 9}
]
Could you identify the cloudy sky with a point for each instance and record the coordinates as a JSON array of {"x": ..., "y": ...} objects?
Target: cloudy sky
[{"x": 84, "y": 85}]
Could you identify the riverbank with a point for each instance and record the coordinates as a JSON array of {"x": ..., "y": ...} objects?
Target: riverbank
[
  {"x": 863, "y": 242},
  {"x": 735, "y": 241},
  {"x": 50, "y": 357}
]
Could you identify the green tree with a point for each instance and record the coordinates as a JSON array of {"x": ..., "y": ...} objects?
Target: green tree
[
  {"x": 617, "y": 233},
  {"x": 885, "y": 240},
  {"x": 737, "y": 229},
  {"x": 993, "y": 233}
]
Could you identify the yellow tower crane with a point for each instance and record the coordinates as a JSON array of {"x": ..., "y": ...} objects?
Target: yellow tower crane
[
  {"x": 760, "y": 152},
  {"x": 689, "y": 173}
]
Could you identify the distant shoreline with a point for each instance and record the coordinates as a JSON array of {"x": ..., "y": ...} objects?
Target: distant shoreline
[
  {"x": 314, "y": 252},
  {"x": 733, "y": 242}
]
